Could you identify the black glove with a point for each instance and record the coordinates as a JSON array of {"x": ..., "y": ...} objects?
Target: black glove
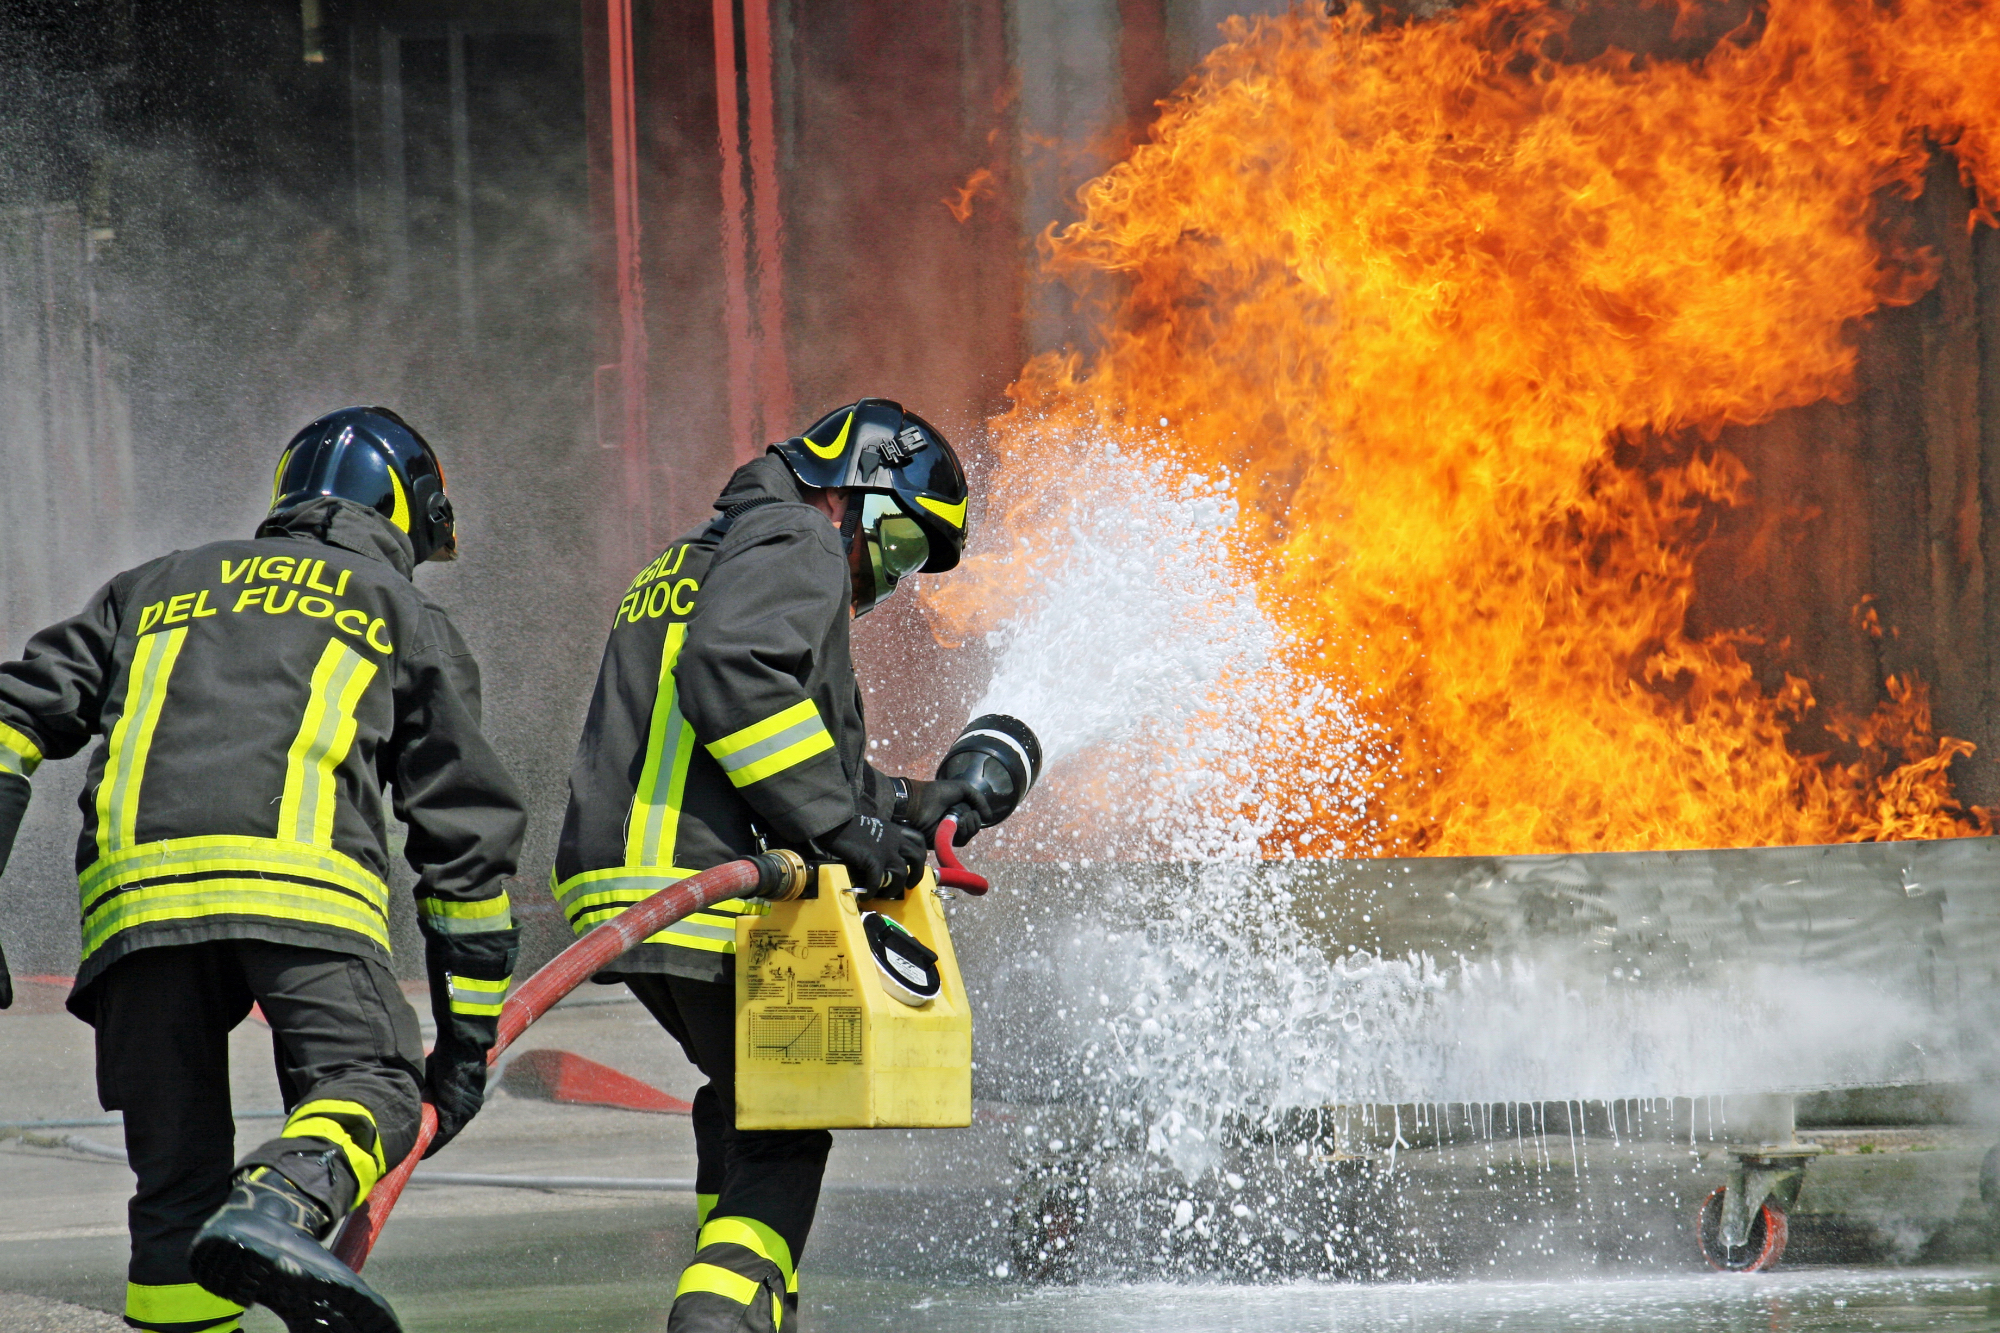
[
  {"x": 455, "y": 1083},
  {"x": 923, "y": 806},
  {"x": 468, "y": 973},
  {"x": 878, "y": 854}
]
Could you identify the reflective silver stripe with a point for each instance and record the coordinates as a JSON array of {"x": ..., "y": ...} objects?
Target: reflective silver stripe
[
  {"x": 700, "y": 931},
  {"x": 770, "y": 745},
  {"x": 474, "y": 995},
  {"x": 131, "y": 740},
  {"x": 326, "y": 734},
  {"x": 453, "y": 925},
  {"x": 653, "y": 823},
  {"x": 594, "y": 897},
  {"x": 450, "y": 916},
  {"x": 1027, "y": 766},
  {"x": 194, "y": 858},
  {"x": 640, "y": 886}
]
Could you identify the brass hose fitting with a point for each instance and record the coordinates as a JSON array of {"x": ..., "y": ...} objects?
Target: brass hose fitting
[{"x": 781, "y": 875}]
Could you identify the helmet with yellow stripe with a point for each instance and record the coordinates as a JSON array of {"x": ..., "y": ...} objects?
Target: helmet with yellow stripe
[
  {"x": 876, "y": 446},
  {"x": 907, "y": 496},
  {"x": 373, "y": 457}
]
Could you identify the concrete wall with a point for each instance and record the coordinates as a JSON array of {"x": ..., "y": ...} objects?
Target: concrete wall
[{"x": 65, "y": 430}]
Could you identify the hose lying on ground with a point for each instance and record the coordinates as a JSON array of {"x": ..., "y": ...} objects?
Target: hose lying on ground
[{"x": 775, "y": 875}]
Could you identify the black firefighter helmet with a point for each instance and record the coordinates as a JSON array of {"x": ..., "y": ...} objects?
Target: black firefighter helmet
[
  {"x": 913, "y": 496},
  {"x": 375, "y": 458}
]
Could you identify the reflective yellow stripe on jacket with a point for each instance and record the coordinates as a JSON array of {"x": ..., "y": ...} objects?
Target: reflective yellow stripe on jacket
[
  {"x": 781, "y": 741},
  {"x": 326, "y": 733},
  {"x": 594, "y": 897},
  {"x": 653, "y": 825},
  {"x": 189, "y": 878},
  {"x": 132, "y": 739},
  {"x": 652, "y": 829},
  {"x": 18, "y": 754}
]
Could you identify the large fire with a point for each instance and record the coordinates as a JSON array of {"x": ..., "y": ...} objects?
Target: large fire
[{"x": 1460, "y": 318}]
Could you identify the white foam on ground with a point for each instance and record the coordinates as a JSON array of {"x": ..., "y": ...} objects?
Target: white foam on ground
[{"x": 1223, "y": 1009}]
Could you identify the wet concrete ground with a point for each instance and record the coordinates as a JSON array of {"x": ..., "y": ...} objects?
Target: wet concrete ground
[
  {"x": 912, "y": 1233},
  {"x": 33, "y": 1314},
  {"x": 610, "y": 1268}
]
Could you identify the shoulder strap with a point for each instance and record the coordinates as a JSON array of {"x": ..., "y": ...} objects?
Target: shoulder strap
[{"x": 726, "y": 520}]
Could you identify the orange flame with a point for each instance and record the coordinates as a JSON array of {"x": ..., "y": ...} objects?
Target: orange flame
[
  {"x": 980, "y": 184},
  {"x": 1411, "y": 287}
]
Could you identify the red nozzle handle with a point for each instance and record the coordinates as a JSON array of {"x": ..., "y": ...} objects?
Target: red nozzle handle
[{"x": 950, "y": 873}]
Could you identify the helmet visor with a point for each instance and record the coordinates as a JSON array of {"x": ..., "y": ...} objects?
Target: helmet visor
[
  {"x": 897, "y": 547},
  {"x": 905, "y": 545}
]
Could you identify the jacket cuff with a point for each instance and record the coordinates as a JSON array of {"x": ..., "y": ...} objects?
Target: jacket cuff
[
  {"x": 453, "y": 916},
  {"x": 19, "y": 752},
  {"x": 469, "y": 977}
]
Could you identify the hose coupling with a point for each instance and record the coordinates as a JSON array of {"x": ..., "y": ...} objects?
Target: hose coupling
[{"x": 781, "y": 875}]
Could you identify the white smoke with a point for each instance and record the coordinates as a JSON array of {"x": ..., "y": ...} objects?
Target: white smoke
[{"x": 1224, "y": 1011}]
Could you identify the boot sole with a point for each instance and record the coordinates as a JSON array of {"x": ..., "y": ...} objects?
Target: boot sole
[{"x": 259, "y": 1261}]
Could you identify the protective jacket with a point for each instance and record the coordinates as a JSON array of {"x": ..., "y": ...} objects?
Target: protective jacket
[
  {"x": 726, "y": 720},
  {"x": 253, "y": 698}
]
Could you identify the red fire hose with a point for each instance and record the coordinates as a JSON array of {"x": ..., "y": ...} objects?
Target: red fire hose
[{"x": 780, "y": 874}]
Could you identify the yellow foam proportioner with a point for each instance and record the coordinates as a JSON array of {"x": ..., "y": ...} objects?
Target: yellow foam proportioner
[{"x": 850, "y": 1011}]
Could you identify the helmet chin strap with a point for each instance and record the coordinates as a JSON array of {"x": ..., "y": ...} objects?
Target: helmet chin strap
[
  {"x": 850, "y": 522},
  {"x": 850, "y": 534}
]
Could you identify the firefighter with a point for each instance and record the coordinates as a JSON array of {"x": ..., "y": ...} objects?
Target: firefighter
[
  {"x": 727, "y": 719},
  {"x": 250, "y": 700}
]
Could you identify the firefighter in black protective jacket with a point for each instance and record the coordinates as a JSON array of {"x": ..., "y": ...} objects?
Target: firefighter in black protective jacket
[
  {"x": 250, "y": 700},
  {"x": 727, "y": 719}
]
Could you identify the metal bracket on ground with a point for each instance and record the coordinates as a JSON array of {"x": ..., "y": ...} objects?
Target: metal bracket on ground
[{"x": 1773, "y": 1171}]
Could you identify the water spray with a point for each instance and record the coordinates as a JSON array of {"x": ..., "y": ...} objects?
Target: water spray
[{"x": 1001, "y": 758}]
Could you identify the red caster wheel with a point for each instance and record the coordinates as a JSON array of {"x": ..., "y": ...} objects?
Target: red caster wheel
[{"x": 1762, "y": 1248}]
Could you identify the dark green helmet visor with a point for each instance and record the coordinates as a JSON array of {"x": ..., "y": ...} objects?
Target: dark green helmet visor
[{"x": 894, "y": 546}]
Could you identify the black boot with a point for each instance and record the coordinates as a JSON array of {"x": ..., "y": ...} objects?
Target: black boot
[{"x": 263, "y": 1247}]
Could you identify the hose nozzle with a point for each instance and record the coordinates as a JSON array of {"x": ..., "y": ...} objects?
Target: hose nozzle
[{"x": 1000, "y": 756}]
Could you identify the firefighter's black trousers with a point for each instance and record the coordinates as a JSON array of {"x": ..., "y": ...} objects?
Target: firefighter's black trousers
[
  {"x": 341, "y": 1032},
  {"x": 771, "y": 1176}
]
